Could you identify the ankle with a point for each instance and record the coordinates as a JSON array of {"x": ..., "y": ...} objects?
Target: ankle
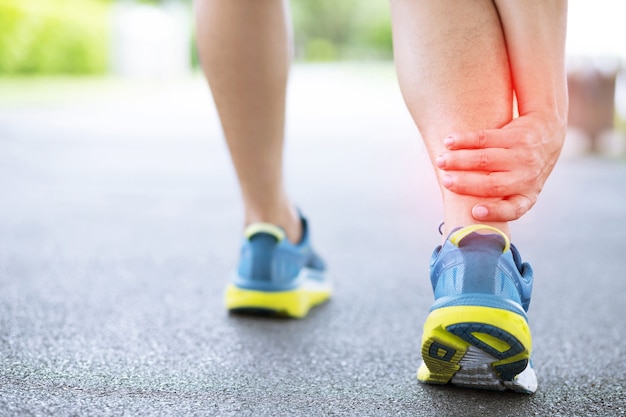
[
  {"x": 456, "y": 219},
  {"x": 285, "y": 217},
  {"x": 448, "y": 227},
  {"x": 458, "y": 213}
]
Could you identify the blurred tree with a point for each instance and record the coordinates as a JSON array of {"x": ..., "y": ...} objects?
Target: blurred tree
[
  {"x": 72, "y": 36},
  {"x": 327, "y": 30},
  {"x": 53, "y": 37}
]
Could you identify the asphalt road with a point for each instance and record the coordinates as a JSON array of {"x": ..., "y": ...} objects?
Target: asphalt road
[{"x": 120, "y": 223}]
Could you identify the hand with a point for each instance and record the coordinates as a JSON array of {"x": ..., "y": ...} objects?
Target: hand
[{"x": 509, "y": 165}]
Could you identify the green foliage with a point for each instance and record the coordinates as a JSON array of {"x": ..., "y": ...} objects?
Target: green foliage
[
  {"x": 320, "y": 50},
  {"x": 328, "y": 30},
  {"x": 620, "y": 123},
  {"x": 53, "y": 36},
  {"x": 71, "y": 36}
]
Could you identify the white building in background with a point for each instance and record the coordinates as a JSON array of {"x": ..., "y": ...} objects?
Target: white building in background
[{"x": 151, "y": 41}]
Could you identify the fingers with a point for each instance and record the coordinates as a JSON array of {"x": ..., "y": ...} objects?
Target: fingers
[
  {"x": 506, "y": 166},
  {"x": 506, "y": 210},
  {"x": 481, "y": 184},
  {"x": 508, "y": 186},
  {"x": 491, "y": 138},
  {"x": 492, "y": 160}
]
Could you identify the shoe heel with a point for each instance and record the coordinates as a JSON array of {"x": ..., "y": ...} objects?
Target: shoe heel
[
  {"x": 476, "y": 346},
  {"x": 291, "y": 303},
  {"x": 278, "y": 303}
]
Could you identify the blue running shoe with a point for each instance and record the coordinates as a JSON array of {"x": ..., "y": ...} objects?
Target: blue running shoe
[
  {"x": 477, "y": 333},
  {"x": 276, "y": 277}
]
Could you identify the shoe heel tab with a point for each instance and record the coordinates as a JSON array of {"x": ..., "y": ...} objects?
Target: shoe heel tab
[
  {"x": 267, "y": 228},
  {"x": 457, "y": 236}
]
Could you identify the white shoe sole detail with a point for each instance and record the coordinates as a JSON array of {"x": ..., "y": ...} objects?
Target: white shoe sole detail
[
  {"x": 476, "y": 372},
  {"x": 525, "y": 382}
]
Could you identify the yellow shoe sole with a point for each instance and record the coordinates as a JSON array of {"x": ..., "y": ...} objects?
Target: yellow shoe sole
[
  {"x": 477, "y": 347},
  {"x": 294, "y": 303}
]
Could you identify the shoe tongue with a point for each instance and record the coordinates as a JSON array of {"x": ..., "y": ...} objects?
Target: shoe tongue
[{"x": 266, "y": 228}]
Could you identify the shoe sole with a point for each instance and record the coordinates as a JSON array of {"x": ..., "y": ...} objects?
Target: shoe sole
[
  {"x": 477, "y": 347},
  {"x": 294, "y": 303}
]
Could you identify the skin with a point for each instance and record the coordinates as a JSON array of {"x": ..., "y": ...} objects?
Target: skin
[
  {"x": 460, "y": 64},
  {"x": 518, "y": 158},
  {"x": 245, "y": 52}
]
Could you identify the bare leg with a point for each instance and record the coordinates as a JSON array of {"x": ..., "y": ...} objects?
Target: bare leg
[
  {"x": 245, "y": 53},
  {"x": 454, "y": 74}
]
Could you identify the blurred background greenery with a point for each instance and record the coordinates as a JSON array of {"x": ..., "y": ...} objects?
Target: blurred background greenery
[
  {"x": 327, "y": 30},
  {"x": 53, "y": 36},
  {"x": 43, "y": 37},
  {"x": 133, "y": 38}
]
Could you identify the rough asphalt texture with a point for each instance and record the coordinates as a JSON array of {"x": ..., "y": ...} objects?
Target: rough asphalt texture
[{"x": 119, "y": 226}]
